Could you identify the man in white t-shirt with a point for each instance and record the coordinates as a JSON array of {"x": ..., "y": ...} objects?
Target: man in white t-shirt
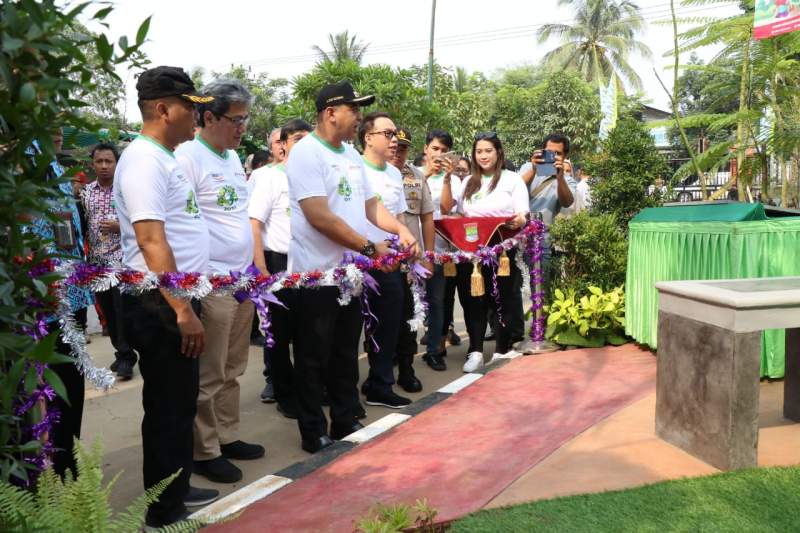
[
  {"x": 163, "y": 230},
  {"x": 213, "y": 167},
  {"x": 332, "y": 204},
  {"x": 378, "y": 136},
  {"x": 269, "y": 220}
]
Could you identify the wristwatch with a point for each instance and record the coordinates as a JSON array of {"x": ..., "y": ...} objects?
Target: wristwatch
[{"x": 369, "y": 249}]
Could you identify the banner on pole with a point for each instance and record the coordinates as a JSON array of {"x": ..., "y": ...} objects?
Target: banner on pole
[
  {"x": 608, "y": 107},
  {"x": 776, "y": 17}
]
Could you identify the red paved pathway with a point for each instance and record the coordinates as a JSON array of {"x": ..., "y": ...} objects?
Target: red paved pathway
[{"x": 464, "y": 451}]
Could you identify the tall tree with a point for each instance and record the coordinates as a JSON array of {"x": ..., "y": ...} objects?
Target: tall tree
[
  {"x": 343, "y": 47},
  {"x": 599, "y": 42}
]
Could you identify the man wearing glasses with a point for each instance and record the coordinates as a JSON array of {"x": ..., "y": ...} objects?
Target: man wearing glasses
[
  {"x": 216, "y": 173},
  {"x": 331, "y": 203}
]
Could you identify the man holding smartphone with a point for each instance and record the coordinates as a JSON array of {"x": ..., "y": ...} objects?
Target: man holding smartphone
[{"x": 549, "y": 178}]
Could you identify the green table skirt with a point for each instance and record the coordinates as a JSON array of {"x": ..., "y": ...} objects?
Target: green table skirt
[{"x": 666, "y": 251}]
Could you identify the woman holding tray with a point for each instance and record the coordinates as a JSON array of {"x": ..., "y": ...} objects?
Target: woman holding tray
[{"x": 491, "y": 191}]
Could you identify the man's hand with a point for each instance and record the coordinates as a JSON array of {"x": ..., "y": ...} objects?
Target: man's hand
[
  {"x": 382, "y": 249},
  {"x": 559, "y": 164},
  {"x": 408, "y": 241},
  {"x": 193, "y": 338},
  {"x": 536, "y": 158},
  {"x": 447, "y": 167},
  {"x": 433, "y": 167},
  {"x": 109, "y": 226}
]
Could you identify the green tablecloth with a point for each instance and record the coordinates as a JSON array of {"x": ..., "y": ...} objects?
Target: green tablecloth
[{"x": 693, "y": 249}]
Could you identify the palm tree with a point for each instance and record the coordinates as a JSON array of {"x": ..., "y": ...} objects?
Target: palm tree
[
  {"x": 599, "y": 42},
  {"x": 460, "y": 80},
  {"x": 343, "y": 48}
]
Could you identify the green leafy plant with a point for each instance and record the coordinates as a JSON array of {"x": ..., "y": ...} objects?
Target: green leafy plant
[
  {"x": 592, "y": 250},
  {"x": 396, "y": 518},
  {"x": 79, "y": 505},
  {"x": 48, "y": 68},
  {"x": 592, "y": 320},
  {"x": 622, "y": 171}
]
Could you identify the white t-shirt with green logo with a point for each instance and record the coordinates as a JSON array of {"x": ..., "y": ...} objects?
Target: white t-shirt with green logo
[
  {"x": 149, "y": 184},
  {"x": 221, "y": 186},
  {"x": 435, "y": 184},
  {"x": 314, "y": 169},
  {"x": 269, "y": 203},
  {"x": 508, "y": 198},
  {"x": 387, "y": 184}
]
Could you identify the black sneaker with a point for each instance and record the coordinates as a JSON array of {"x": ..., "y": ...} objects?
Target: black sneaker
[
  {"x": 435, "y": 361},
  {"x": 151, "y": 525},
  {"x": 287, "y": 410},
  {"x": 242, "y": 451},
  {"x": 219, "y": 470},
  {"x": 452, "y": 337},
  {"x": 386, "y": 399},
  {"x": 268, "y": 394},
  {"x": 125, "y": 370},
  {"x": 359, "y": 412},
  {"x": 409, "y": 383},
  {"x": 197, "y": 497}
]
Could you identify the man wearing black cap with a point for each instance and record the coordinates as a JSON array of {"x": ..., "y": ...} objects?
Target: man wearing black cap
[
  {"x": 163, "y": 231},
  {"x": 331, "y": 201}
]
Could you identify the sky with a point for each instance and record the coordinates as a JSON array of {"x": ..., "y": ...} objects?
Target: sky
[{"x": 277, "y": 37}]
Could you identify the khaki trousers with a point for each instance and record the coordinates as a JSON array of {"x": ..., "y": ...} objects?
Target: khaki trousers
[{"x": 227, "y": 327}]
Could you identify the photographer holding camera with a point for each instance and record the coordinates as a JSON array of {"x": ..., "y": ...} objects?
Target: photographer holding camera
[{"x": 549, "y": 178}]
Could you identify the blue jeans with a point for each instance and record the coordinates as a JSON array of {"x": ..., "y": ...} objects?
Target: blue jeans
[{"x": 434, "y": 293}]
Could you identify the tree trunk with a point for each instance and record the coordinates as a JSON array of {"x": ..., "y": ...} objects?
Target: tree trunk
[{"x": 741, "y": 147}]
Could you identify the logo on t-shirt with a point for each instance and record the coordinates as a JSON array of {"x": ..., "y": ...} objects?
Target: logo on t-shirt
[
  {"x": 471, "y": 232},
  {"x": 379, "y": 197},
  {"x": 191, "y": 205},
  {"x": 227, "y": 197},
  {"x": 344, "y": 189}
]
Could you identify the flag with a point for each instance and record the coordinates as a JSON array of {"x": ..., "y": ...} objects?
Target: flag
[{"x": 608, "y": 107}]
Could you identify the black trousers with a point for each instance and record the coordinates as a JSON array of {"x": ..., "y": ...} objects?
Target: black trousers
[
  {"x": 325, "y": 339},
  {"x": 277, "y": 361},
  {"x": 449, "y": 302},
  {"x": 388, "y": 310},
  {"x": 110, "y": 302},
  {"x": 476, "y": 308},
  {"x": 169, "y": 398},
  {"x": 68, "y": 428},
  {"x": 406, "y": 339}
]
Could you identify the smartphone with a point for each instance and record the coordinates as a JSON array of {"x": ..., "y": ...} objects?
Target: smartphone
[{"x": 547, "y": 167}]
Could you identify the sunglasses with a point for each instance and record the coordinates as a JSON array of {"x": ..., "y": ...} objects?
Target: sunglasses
[{"x": 485, "y": 136}]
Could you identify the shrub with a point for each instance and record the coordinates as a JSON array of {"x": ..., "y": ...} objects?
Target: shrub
[
  {"x": 593, "y": 320},
  {"x": 592, "y": 251},
  {"x": 626, "y": 166}
]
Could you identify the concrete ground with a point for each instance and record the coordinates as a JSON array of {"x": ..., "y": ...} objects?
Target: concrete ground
[
  {"x": 115, "y": 416},
  {"x": 623, "y": 452}
]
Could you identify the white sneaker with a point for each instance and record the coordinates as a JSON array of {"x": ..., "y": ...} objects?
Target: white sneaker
[
  {"x": 511, "y": 354},
  {"x": 474, "y": 362}
]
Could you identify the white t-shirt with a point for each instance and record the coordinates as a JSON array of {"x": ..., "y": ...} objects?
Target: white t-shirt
[
  {"x": 269, "y": 203},
  {"x": 435, "y": 184},
  {"x": 149, "y": 184},
  {"x": 583, "y": 196},
  {"x": 315, "y": 168},
  {"x": 387, "y": 184},
  {"x": 221, "y": 186},
  {"x": 508, "y": 198}
]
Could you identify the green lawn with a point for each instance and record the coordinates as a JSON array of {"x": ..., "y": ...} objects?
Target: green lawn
[{"x": 766, "y": 499}]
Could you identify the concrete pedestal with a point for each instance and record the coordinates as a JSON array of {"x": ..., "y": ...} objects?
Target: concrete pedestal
[{"x": 709, "y": 337}]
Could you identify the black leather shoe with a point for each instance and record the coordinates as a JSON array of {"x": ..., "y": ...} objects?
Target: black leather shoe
[
  {"x": 242, "y": 451},
  {"x": 359, "y": 412},
  {"x": 218, "y": 470},
  {"x": 365, "y": 387},
  {"x": 452, "y": 337},
  {"x": 286, "y": 410},
  {"x": 317, "y": 444},
  {"x": 198, "y": 497},
  {"x": 338, "y": 433},
  {"x": 125, "y": 370},
  {"x": 410, "y": 383},
  {"x": 435, "y": 361}
]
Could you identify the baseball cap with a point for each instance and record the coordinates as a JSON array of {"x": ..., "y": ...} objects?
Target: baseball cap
[
  {"x": 340, "y": 93},
  {"x": 403, "y": 137},
  {"x": 164, "y": 81}
]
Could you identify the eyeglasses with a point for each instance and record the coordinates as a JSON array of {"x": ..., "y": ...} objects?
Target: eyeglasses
[
  {"x": 485, "y": 136},
  {"x": 238, "y": 121},
  {"x": 459, "y": 171},
  {"x": 386, "y": 133}
]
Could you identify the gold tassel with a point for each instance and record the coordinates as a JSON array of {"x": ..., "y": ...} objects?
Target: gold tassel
[
  {"x": 504, "y": 265},
  {"x": 449, "y": 270},
  {"x": 477, "y": 282}
]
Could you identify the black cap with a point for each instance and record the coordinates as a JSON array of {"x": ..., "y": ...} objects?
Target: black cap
[
  {"x": 340, "y": 93},
  {"x": 403, "y": 137},
  {"x": 161, "y": 82}
]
